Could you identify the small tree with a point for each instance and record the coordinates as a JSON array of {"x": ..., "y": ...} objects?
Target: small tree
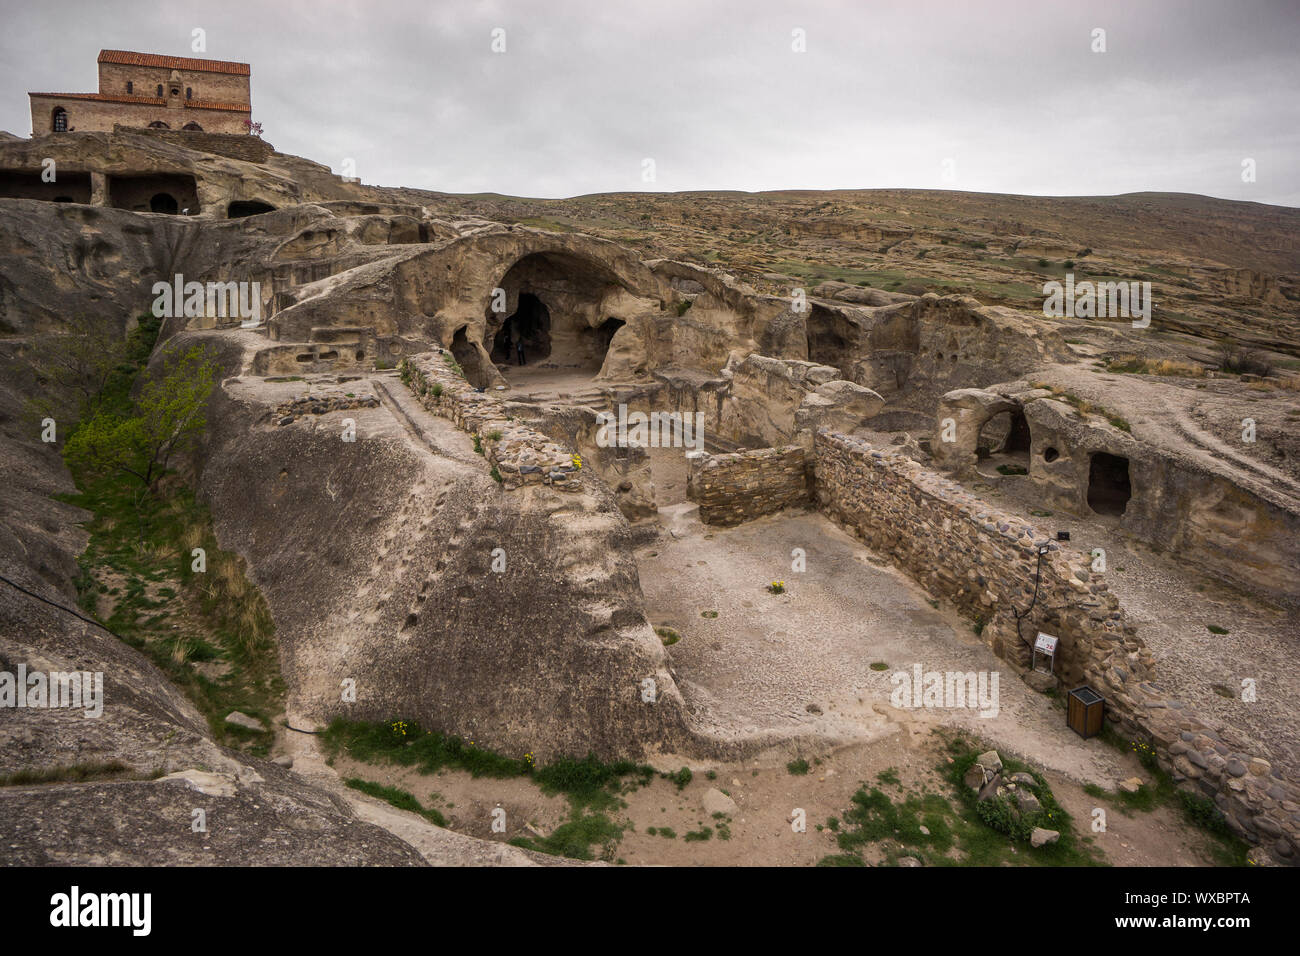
[
  {"x": 168, "y": 418},
  {"x": 74, "y": 367}
]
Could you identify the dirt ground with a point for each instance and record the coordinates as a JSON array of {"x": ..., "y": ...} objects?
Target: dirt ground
[
  {"x": 801, "y": 662},
  {"x": 767, "y": 796}
]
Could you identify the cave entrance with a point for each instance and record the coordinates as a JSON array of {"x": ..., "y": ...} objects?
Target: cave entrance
[
  {"x": 247, "y": 207},
  {"x": 70, "y": 187},
  {"x": 530, "y": 323},
  {"x": 597, "y": 340},
  {"x": 167, "y": 193},
  {"x": 1006, "y": 433},
  {"x": 1109, "y": 488},
  {"x": 164, "y": 203},
  {"x": 829, "y": 338},
  {"x": 469, "y": 360}
]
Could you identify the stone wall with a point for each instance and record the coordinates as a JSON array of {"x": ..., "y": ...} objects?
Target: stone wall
[
  {"x": 984, "y": 562},
  {"x": 519, "y": 454},
  {"x": 90, "y": 115},
  {"x": 746, "y": 485},
  {"x": 238, "y": 145}
]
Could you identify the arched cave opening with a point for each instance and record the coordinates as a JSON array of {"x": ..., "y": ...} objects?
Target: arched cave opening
[
  {"x": 1109, "y": 487},
  {"x": 247, "y": 207},
  {"x": 1006, "y": 433},
  {"x": 164, "y": 203},
  {"x": 560, "y": 313},
  {"x": 531, "y": 323}
]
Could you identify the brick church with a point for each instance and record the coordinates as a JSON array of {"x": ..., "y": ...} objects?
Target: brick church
[{"x": 149, "y": 90}]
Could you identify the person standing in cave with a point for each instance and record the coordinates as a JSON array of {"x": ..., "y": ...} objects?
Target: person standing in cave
[{"x": 519, "y": 347}]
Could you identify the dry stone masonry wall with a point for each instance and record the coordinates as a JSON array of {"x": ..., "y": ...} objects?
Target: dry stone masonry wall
[
  {"x": 739, "y": 487},
  {"x": 521, "y": 455},
  {"x": 984, "y": 562}
]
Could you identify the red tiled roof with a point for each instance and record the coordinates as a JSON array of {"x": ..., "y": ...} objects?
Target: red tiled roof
[
  {"x": 211, "y": 105},
  {"x": 147, "y": 101},
  {"x": 108, "y": 98},
  {"x": 173, "y": 62}
]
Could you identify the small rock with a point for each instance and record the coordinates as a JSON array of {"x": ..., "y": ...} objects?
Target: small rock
[
  {"x": 243, "y": 720},
  {"x": 1039, "y": 681},
  {"x": 1041, "y": 837},
  {"x": 1131, "y": 785},
  {"x": 284, "y": 760},
  {"x": 1026, "y": 802},
  {"x": 909, "y": 861},
  {"x": 1024, "y": 779},
  {"x": 925, "y": 831},
  {"x": 715, "y": 801},
  {"x": 989, "y": 760}
]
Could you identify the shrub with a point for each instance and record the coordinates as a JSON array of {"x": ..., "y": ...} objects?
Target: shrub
[
  {"x": 668, "y": 635},
  {"x": 166, "y": 419},
  {"x": 681, "y": 778},
  {"x": 1244, "y": 361}
]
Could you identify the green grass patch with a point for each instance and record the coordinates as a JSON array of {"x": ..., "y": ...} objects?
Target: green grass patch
[
  {"x": 575, "y": 838},
  {"x": 679, "y": 779},
  {"x": 398, "y": 798},
  {"x": 668, "y": 635},
  {"x": 162, "y": 604},
  {"x": 797, "y": 767},
  {"x": 1158, "y": 790},
  {"x": 954, "y": 829}
]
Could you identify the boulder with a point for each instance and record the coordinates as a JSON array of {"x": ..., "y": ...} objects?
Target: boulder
[
  {"x": 1041, "y": 837},
  {"x": 715, "y": 801},
  {"x": 243, "y": 720}
]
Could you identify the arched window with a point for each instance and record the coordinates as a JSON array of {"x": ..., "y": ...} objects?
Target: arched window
[
  {"x": 164, "y": 203},
  {"x": 130, "y": 86},
  {"x": 159, "y": 93},
  {"x": 158, "y": 124},
  {"x": 189, "y": 93},
  {"x": 59, "y": 120},
  {"x": 193, "y": 127}
]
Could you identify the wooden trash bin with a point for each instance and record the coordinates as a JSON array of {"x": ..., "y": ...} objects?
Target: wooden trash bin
[{"x": 1084, "y": 711}]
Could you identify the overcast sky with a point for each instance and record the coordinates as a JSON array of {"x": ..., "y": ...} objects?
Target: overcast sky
[{"x": 995, "y": 96}]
